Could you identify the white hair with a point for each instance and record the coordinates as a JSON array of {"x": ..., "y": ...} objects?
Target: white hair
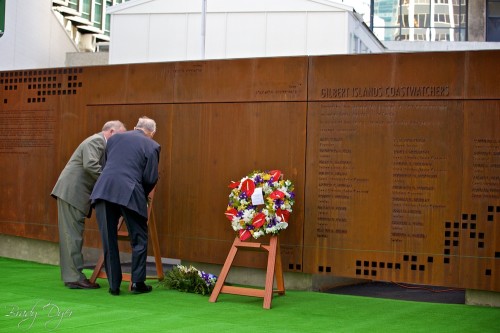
[{"x": 147, "y": 124}]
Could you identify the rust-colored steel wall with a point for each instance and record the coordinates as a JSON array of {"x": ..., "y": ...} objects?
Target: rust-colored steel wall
[
  {"x": 403, "y": 166},
  {"x": 395, "y": 157}
]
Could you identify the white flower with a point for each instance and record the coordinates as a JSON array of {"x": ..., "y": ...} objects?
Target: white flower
[
  {"x": 271, "y": 230},
  {"x": 286, "y": 206},
  {"x": 281, "y": 225},
  {"x": 258, "y": 234},
  {"x": 247, "y": 215},
  {"x": 285, "y": 191},
  {"x": 236, "y": 225},
  {"x": 192, "y": 269}
]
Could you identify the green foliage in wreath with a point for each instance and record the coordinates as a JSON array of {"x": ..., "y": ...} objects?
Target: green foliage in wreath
[{"x": 190, "y": 280}]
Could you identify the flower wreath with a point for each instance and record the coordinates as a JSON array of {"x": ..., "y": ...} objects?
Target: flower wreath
[
  {"x": 189, "y": 279},
  {"x": 275, "y": 203}
]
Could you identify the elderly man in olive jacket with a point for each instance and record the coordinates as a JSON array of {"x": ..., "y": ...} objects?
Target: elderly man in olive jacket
[{"x": 72, "y": 191}]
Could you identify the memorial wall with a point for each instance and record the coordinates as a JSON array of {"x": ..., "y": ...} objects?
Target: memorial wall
[{"x": 395, "y": 158}]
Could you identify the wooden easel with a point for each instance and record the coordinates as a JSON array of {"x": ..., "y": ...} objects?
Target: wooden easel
[
  {"x": 274, "y": 268},
  {"x": 123, "y": 235}
]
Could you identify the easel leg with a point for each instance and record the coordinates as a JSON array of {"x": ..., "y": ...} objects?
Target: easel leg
[
  {"x": 224, "y": 272},
  {"x": 156, "y": 247},
  {"x": 271, "y": 264},
  {"x": 273, "y": 269},
  {"x": 97, "y": 269},
  {"x": 278, "y": 270}
]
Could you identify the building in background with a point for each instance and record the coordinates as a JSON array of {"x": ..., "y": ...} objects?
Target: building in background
[
  {"x": 436, "y": 25},
  {"x": 177, "y": 30},
  {"x": 2, "y": 17},
  {"x": 86, "y": 21},
  {"x": 58, "y": 33},
  {"x": 436, "y": 20},
  {"x": 362, "y": 7},
  {"x": 493, "y": 20},
  {"x": 420, "y": 20},
  {"x": 32, "y": 36}
]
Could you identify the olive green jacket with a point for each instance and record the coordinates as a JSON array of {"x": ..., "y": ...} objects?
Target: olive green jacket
[{"x": 78, "y": 177}]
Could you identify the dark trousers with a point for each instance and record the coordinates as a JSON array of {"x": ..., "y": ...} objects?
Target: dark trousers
[{"x": 108, "y": 215}]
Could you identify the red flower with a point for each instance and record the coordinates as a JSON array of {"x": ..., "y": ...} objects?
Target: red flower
[
  {"x": 234, "y": 184},
  {"x": 259, "y": 220},
  {"x": 244, "y": 234},
  {"x": 277, "y": 195},
  {"x": 275, "y": 175},
  {"x": 282, "y": 214},
  {"x": 230, "y": 213},
  {"x": 248, "y": 187}
]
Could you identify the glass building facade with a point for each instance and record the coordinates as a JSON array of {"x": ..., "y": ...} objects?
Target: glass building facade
[
  {"x": 92, "y": 13},
  {"x": 493, "y": 21},
  {"x": 419, "y": 20},
  {"x": 2, "y": 17}
]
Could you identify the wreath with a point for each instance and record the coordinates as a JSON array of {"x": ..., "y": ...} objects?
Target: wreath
[{"x": 260, "y": 204}]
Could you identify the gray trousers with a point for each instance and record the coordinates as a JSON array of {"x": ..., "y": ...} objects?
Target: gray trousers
[{"x": 71, "y": 226}]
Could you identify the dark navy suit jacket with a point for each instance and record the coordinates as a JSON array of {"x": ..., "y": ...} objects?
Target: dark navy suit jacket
[{"x": 130, "y": 171}]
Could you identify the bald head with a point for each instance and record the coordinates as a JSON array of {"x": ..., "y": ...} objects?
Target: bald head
[{"x": 111, "y": 127}]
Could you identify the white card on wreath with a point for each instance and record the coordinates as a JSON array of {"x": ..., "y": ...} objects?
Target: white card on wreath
[{"x": 257, "y": 197}]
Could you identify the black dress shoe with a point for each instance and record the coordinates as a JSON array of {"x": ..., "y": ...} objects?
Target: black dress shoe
[
  {"x": 83, "y": 284},
  {"x": 140, "y": 288},
  {"x": 114, "y": 292}
]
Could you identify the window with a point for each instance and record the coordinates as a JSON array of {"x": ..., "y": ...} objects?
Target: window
[
  {"x": 2, "y": 17},
  {"x": 357, "y": 45},
  {"x": 86, "y": 9},
  {"x": 431, "y": 20},
  {"x": 73, "y": 4},
  {"x": 93, "y": 11},
  {"x": 107, "y": 22},
  {"x": 97, "y": 17},
  {"x": 493, "y": 21}
]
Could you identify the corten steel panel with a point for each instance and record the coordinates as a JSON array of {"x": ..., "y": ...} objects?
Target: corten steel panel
[
  {"x": 112, "y": 85},
  {"x": 480, "y": 216},
  {"x": 262, "y": 79},
  {"x": 413, "y": 76},
  {"x": 482, "y": 75},
  {"x": 26, "y": 142},
  {"x": 228, "y": 141},
  {"x": 204, "y": 148},
  {"x": 31, "y": 145},
  {"x": 383, "y": 179}
]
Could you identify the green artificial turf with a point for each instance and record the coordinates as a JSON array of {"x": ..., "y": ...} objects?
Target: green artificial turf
[{"x": 33, "y": 299}]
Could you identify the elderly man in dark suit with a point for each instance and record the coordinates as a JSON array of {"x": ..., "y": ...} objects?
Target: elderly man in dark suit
[
  {"x": 129, "y": 175},
  {"x": 72, "y": 191}
]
